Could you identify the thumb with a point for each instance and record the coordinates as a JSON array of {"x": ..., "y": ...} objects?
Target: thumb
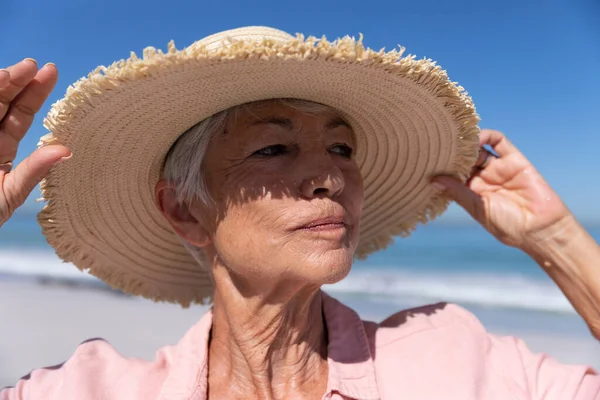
[
  {"x": 19, "y": 183},
  {"x": 461, "y": 193}
]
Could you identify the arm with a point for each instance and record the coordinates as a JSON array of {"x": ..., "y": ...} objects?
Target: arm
[
  {"x": 513, "y": 202},
  {"x": 571, "y": 257}
]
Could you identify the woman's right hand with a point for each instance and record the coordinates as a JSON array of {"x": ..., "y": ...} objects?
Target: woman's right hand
[{"x": 23, "y": 90}]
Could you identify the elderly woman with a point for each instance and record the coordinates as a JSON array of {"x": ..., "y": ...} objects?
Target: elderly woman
[{"x": 307, "y": 154}]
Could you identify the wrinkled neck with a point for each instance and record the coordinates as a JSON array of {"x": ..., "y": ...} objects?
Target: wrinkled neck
[{"x": 270, "y": 347}]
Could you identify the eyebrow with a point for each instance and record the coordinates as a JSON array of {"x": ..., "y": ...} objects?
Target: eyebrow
[
  {"x": 336, "y": 122},
  {"x": 280, "y": 121},
  {"x": 288, "y": 124}
]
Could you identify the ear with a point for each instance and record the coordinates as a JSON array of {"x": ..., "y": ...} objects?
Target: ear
[{"x": 179, "y": 216}]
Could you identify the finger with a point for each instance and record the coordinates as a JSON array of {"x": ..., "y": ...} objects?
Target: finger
[
  {"x": 4, "y": 78},
  {"x": 24, "y": 178},
  {"x": 497, "y": 141},
  {"x": 20, "y": 75},
  {"x": 463, "y": 195},
  {"x": 8, "y": 148},
  {"x": 483, "y": 159},
  {"x": 22, "y": 110},
  {"x": 6, "y": 167}
]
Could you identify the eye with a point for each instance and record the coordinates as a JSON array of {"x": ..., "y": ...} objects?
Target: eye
[
  {"x": 271, "y": 151},
  {"x": 342, "y": 149}
]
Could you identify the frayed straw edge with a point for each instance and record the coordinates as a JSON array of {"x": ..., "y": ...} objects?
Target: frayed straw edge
[
  {"x": 82, "y": 95},
  {"x": 69, "y": 251}
]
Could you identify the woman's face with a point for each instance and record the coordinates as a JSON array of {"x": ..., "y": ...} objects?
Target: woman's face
[{"x": 288, "y": 195}]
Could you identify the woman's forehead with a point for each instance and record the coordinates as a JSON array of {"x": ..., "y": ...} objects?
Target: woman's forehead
[{"x": 286, "y": 114}]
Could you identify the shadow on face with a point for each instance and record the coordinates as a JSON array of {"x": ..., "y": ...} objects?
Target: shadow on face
[{"x": 286, "y": 195}]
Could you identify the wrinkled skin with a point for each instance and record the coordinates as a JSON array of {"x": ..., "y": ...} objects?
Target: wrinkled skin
[
  {"x": 287, "y": 199},
  {"x": 287, "y": 206},
  {"x": 274, "y": 171}
]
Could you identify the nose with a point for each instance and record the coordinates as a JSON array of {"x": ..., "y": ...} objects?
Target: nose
[{"x": 324, "y": 179}]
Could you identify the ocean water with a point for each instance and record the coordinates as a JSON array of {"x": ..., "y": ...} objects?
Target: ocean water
[{"x": 459, "y": 264}]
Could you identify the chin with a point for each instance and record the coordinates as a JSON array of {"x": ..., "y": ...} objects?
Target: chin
[
  {"x": 331, "y": 266},
  {"x": 337, "y": 276}
]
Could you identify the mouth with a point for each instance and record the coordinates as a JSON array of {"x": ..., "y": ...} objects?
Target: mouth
[{"x": 325, "y": 224}]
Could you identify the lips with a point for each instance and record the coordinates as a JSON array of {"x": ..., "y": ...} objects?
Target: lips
[{"x": 328, "y": 222}]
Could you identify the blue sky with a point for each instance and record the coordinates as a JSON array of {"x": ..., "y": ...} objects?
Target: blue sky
[{"x": 532, "y": 67}]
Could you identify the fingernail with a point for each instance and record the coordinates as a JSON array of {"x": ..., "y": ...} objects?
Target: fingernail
[
  {"x": 50, "y": 64},
  {"x": 437, "y": 186},
  {"x": 30, "y": 59},
  {"x": 64, "y": 159}
]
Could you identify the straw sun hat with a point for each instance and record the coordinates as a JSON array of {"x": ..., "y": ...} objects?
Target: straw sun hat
[{"x": 410, "y": 120}]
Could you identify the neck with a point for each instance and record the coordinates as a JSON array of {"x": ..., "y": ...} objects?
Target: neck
[{"x": 268, "y": 346}]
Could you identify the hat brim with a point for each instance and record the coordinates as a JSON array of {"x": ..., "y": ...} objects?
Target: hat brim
[{"x": 410, "y": 120}]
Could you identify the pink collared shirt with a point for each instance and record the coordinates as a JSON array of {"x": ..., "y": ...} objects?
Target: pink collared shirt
[{"x": 439, "y": 351}]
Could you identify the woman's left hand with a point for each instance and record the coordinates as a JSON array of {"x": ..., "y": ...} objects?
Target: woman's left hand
[{"x": 508, "y": 196}]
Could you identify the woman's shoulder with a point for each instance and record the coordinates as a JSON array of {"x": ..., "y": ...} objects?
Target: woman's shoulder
[
  {"x": 446, "y": 344},
  {"x": 427, "y": 321},
  {"x": 95, "y": 366}
]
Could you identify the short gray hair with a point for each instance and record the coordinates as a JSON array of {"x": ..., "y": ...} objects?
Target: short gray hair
[{"x": 184, "y": 164}]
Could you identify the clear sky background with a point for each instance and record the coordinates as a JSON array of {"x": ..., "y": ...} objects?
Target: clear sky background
[{"x": 532, "y": 67}]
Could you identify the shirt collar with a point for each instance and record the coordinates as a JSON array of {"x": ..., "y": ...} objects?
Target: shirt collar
[{"x": 351, "y": 365}]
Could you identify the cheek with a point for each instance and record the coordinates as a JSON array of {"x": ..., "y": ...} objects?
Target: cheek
[
  {"x": 252, "y": 199},
  {"x": 253, "y": 182},
  {"x": 235, "y": 236},
  {"x": 354, "y": 190},
  {"x": 251, "y": 235}
]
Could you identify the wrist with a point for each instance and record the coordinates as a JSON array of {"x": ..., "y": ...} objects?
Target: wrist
[
  {"x": 565, "y": 249},
  {"x": 555, "y": 239}
]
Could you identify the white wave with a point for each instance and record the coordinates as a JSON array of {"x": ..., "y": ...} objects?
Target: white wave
[
  {"x": 486, "y": 289},
  {"x": 39, "y": 263},
  {"x": 391, "y": 285}
]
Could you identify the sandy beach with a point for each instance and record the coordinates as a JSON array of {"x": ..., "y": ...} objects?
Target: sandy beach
[{"x": 42, "y": 324}]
